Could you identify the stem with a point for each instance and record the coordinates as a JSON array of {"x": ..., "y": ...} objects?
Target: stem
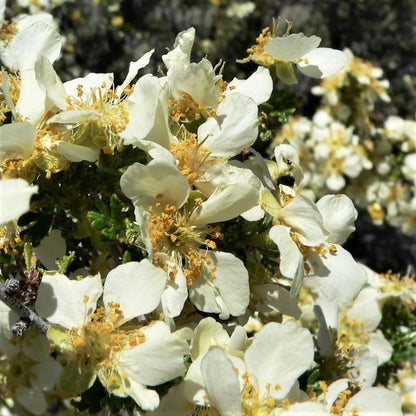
[{"x": 27, "y": 316}]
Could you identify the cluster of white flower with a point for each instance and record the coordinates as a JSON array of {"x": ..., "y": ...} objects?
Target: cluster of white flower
[
  {"x": 141, "y": 324},
  {"x": 343, "y": 151}
]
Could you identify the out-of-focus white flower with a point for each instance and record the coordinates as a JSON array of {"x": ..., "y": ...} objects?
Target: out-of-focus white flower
[
  {"x": 240, "y": 10},
  {"x": 28, "y": 371},
  {"x": 125, "y": 358}
]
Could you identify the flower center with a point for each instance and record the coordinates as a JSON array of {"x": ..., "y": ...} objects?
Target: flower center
[
  {"x": 103, "y": 129},
  {"x": 170, "y": 233},
  {"x": 192, "y": 156}
]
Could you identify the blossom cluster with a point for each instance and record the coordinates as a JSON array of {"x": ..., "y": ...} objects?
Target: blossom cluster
[
  {"x": 175, "y": 270},
  {"x": 343, "y": 150}
]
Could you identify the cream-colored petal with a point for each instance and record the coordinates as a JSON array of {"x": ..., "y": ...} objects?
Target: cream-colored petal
[
  {"x": 15, "y": 198},
  {"x": 292, "y": 47},
  {"x": 323, "y": 63},
  {"x": 76, "y": 153},
  {"x": 17, "y": 140},
  {"x": 134, "y": 67},
  {"x": 136, "y": 286},
  {"x": 375, "y": 401},
  {"x": 233, "y": 128},
  {"x": 67, "y": 302},
  {"x": 221, "y": 382},
  {"x": 258, "y": 86},
  {"x": 278, "y": 355},
  {"x": 338, "y": 214},
  {"x": 158, "y": 181}
]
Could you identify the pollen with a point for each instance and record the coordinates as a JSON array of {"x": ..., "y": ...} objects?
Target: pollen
[{"x": 192, "y": 156}]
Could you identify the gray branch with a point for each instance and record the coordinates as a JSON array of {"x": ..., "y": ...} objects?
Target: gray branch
[{"x": 27, "y": 316}]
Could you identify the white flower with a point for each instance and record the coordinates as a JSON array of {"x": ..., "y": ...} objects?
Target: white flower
[
  {"x": 304, "y": 52},
  {"x": 251, "y": 382},
  {"x": 175, "y": 230},
  {"x": 126, "y": 359}
]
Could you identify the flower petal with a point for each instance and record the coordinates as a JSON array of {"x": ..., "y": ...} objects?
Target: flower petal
[
  {"x": 17, "y": 140},
  {"x": 233, "y": 128},
  {"x": 228, "y": 292},
  {"x": 292, "y": 47},
  {"x": 278, "y": 355},
  {"x": 136, "y": 287},
  {"x": 158, "y": 181},
  {"x": 302, "y": 215},
  {"x": 157, "y": 360},
  {"x": 375, "y": 401},
  {"x": 221, "y": 382},
  {"x": 323, "y": 63},
  {"x": 257, "y": 86},
  {"x": 341, "y": 278},
  {"x": 339, "y": 214},
  {"x": 15, "y": 198},
  {"x": 67, "y": 302}
]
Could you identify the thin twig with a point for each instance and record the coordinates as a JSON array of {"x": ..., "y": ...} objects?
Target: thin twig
[{"x": 27, "y": 316}]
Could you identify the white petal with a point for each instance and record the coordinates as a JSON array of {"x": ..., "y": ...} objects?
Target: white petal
[
  {"x": 146, "y": 111},
  {"x": 50, "y": 82},
  {"x": 233, "y": 128},
  {"x": 366, "y": 309},
  {"x": 17, "y": 140},
  {"x": 292, "y": 47},
  {"x": 375, "y": 401},
  {"x": 136, "y": 287},
  {"x": 221, "y": 382},
  {"x": 339, "y": 214},
  {"x": 77, "y": 153},
  {"x": 196, "y": 79},
  {"x": 51, "y": 248},
  {"x": 134, "y": 67},
  {"x": 278, "y": 355},
  {"x": 334, "y": 390},
  {"x": 291, "y": 259},
  {"x": 225, "y": 203},
  {"x": 32, "y": 399},
  {"x": 174, "y": 294},
  {"x": 305, "y": 409},
  {"x": 15, "y": 198},
  {"x": 228, "y": 292},
  {"x": 323, "y": 62},
  {"x": 146, "y": 398},
  {"x": 364, "y": 367},
  {"x": 92, "y": 81},
  {"x": 157, "y": 360},
  {"x": 208, "y": 332},
  {"x": 380, "y": 347},
  {"x": 182, "y": 49},
  {"x": 173, "y": 403},
  {"x": 75, "y": 116},
  {"x": 47, "y": 374},
  {"x": 341, "y": 278},
  {"x": 157, "y": 182},
  {"x": 38, "y": 39},
  {"x": 271, "y": 296},
  {"x": 302, "y": 215},
  {"x": 257, "y": 86},
  {"x": 67, "y": 302},
  {"x": 31, "y": 103}
]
